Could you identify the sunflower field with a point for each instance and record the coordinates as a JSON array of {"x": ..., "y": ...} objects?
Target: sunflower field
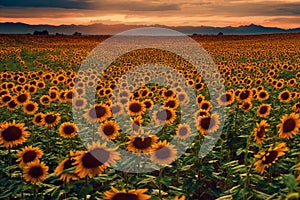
[{"x": 257, "y": 155}]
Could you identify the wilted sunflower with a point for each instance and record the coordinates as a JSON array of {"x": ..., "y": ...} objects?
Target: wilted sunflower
[
  {"x": 67, "y": 130},
  {"x": 66, "y": 164},
  {"x": 141, "y": 144},
  {"x": 208, "y": 124},
  {"x": 12, "y": 134},
  {"x": 263, "y": 110},
  {"x": 51, "y": 119},
  {"x": 35, "y": 172},
  {"x": 98, "y": 112},
  {"x": 30, "y": 107},
  {"x": 267, "y": 158},
  {"x": 226, "y": 99},
  {"x": 138, "y": 194},
  {"x": 289, "y": 125},
  {"x": 136, "y": 107},
  {"x": 163, "y": 153},
  {"x": 166, "y": 115},
  {"x": 38, "y": 119},
  {"x": 183, "y": 131},
  {"x": 109, "y": 130},
  {"x": 95, "y": 160},
  {"x": 29, "y": 154},
  {"x": 284, "y": 96},
  {"x": 260, "y": 130}
]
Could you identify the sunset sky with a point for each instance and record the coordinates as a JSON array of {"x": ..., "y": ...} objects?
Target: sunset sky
[{"x": 283, "y": 14}]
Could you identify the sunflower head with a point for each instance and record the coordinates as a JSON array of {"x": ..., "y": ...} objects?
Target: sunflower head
[
  {"x": 35, "y": 172},
  {"x": 12, "y": 134}
]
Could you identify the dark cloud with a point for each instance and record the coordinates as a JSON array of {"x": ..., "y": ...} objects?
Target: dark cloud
[{"x": 91, "y": 5}]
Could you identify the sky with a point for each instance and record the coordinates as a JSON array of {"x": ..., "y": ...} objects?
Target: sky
[{"x": 218, "y": 13}]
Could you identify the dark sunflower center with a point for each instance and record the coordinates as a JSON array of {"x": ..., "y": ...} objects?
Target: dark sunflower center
[
  {"x": 11, "y": 133},
  {"x": 261, "y": 132},
  {"x": 30, "y": 107},
  {"x": 142, "y": 143},
  {"x": 69, "y": 130},
  {"x": 22, "y": 98},
  {"x": 36, "y": 172},
  {"x": 49, "y": 119},
  {"x": 289, "y": 125},
  {"x": 285, "y": 96},
  {"x": 29, "y": 156},
  {"x": 244, "y": 95},
  {"x": 99, "y": 111},
  {"x": 168, "y": 93},
  {"x": 163, "y": 153},
  {"x": 108, "y": 130},
  {"x": 52, "y": 95},
  {"x": 135, "y": 107},
  {"x": 206, "y": 123},
  {"x": 226, "y": 97},
  {"x": 263, "y": 109},
  {"x": 70, "y": 95},
  {"x": 125, "y": 196},
  {"x": 164, "y": 115},
  {"x": 79, "y": 103},
  {"x": 6, "y": 99},
  {"x": 38, "y": 119},
  {"x": 171, "y": 104},
  {"x": 271, "y": 157},
  {"x": 246, "y": 106},
  {"x": 204, "y": 106},
  {"x": 262, "y": 94},
  {"x": 69, "y": 163},
  {"x": 183, "y": 131},
  {"x": 115, "y": 109},
  {"x": 95, "y": 158},
  {"x": 12, "y": 104},
  {"x": 181, "y": 97}
]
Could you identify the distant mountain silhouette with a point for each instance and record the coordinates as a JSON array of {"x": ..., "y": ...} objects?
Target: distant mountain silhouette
[{"x": 103, "y": 29}]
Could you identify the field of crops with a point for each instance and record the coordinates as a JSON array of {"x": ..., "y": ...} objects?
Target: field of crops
[{"x": 257, "y": 154}]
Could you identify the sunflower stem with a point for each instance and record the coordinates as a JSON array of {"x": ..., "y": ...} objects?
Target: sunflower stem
[{"x": 160, "y": 186}]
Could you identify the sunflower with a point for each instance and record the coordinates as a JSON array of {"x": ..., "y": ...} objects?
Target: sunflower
[
  {"x": 138, "y": 194},
  {"x": 164, "y": 153},
  {"x": 262, "y": 95},
  {"x": 95, "y": 160},
  {"x": 246, "y": 106},
  {"x": 136, "y": 108},
  {"x": 200, "y": 113},
  {"x": 166, "y": 115},
  {"x": 226, "y": 99},
  {"x": 263, "y": 110},
  {"x": 79, "y": 103},
  {"x": 12, "y": 105},
  {"x": 117, "y": 109},
  {"x": 171, "y": 103},
  {"x": 284, "y": 96},
  {"x": 183, "y": 131},
  {"x": 289, "y": 125},
  {"x": 183, "y": 98},
  {"x": 66, "y": 164},
  {"x": 205, "y": 105},
  {"x": 109, "y": 130},
  {"x": 35, "y": 172},
  {"x": 98, "y": 112},
  {"x": 23, "y": 98},
  {"x": 67, "y": 130},
  {"x": 45, "y": 100},
  {"x": 136, "y": 123},
  {"x": 12, "y": 134},
  {"x": 260, "y": 130},
  {"x": 29, "y": 154},
  {"x": 30, "y": 107},
  {"x": 199, "y": 99},
  {"x": 245, "y": 95},
  {"x": 266, "y": 158},
  {"x": 179, "y": 198},
  {"x": 141, "y": 144},
  {"x": 51, "y": 119},
  {"x": 148, "y": 104},
  {"x": 38, "y": 119},
  {"x": 208, "y": 124}
]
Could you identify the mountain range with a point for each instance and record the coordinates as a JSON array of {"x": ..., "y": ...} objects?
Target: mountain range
[{"x": 103, "y": 29}]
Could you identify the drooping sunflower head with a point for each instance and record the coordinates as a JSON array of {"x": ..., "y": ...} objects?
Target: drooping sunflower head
[
  {"x": 66, "y": 164},
  {"x": 260, "y": 131},
  {"x": 12, "y": 134},
  {"x": 29, "y": 154}
]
